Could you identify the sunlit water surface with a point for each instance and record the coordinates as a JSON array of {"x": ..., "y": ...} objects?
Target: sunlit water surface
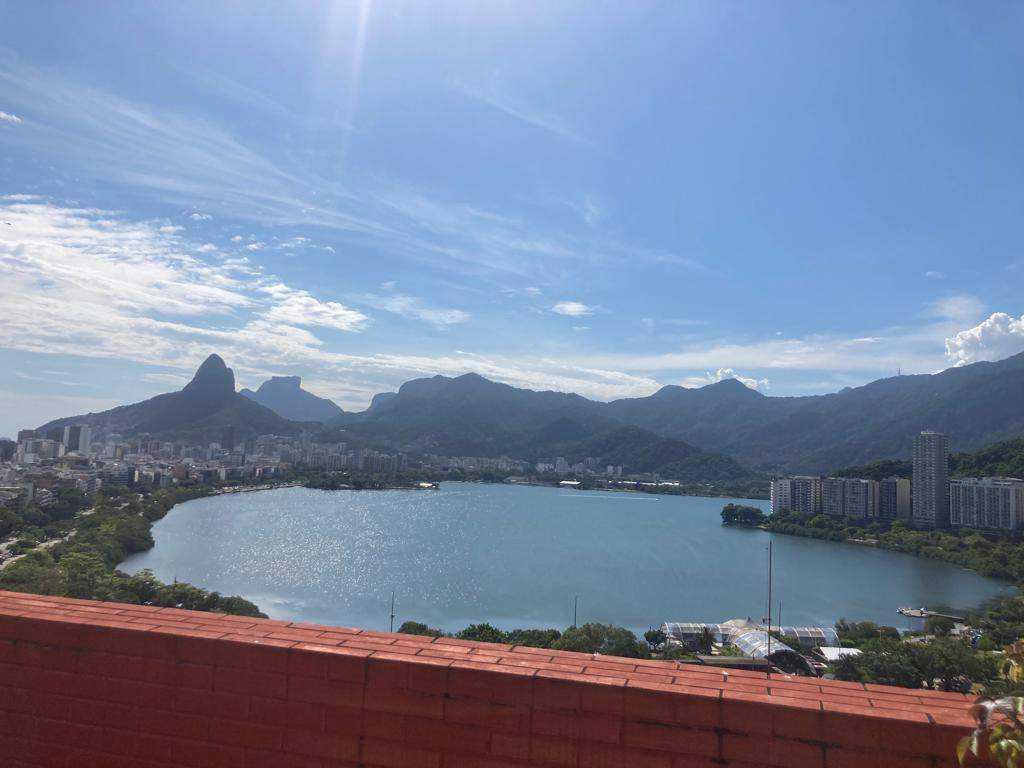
[{"x": 516, "y": 557}]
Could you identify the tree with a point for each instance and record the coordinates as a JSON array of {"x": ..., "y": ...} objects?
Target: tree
[
  {"x": 939, "y": 625},
  {"x": 82, "y": 573},
  {"x": 655, "y": 638},
  {"x": 743, "y": 516},
  {"x": 483, "y": 633},
  {"x": 534, "y": 638},
  {"x": 419, "y": 628},
  {"x": 885, "y": 662},
  {"x": 950, "y": 665},
  {"x": 602, "y": 638}
]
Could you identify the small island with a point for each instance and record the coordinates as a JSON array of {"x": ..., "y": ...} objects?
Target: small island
[{"x": 743, "y": 516}]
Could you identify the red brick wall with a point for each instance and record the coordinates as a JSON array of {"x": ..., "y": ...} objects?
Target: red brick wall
[{"x": 92, "y": 685}]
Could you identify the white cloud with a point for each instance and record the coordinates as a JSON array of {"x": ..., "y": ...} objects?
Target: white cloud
[
  {"x": 207, "y": 248},
  {"x": 136, "y": 293},
  {"x": 200, "y": 216},
  {"x": 301, "y": 308},
  {"x": 255, "y": 246},
  {"x": 998, "y": 336},
  {"x": 721, "y": 375},
  {"x": 170, "y": 229},
  {"x": 236, "y": 239},
  {"x": 414, "y": 308},
  {"x": 7, "y": 117},
  {"x": 532, "y": 290},
  {"x": 933, "y": 275},
  {"x": 572, "y": 309}
]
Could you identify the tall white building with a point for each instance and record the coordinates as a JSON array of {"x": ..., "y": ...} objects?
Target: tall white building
[
  {"x": 931, "y": 480},
  {"x": 782, "y": 494},
  {"x": 990, "y": 503}
]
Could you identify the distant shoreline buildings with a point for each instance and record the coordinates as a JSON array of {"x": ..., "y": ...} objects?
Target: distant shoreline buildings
[{"x": 928, "y": 500}]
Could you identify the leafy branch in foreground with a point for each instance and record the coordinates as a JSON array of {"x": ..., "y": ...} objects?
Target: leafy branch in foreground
[{"x": 999, "y": 736}]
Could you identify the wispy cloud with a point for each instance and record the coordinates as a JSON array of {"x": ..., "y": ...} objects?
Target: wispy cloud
[
  {"x": 212, "y": 172},
  {"x": 499, "y": 98},
  {"x": 416, "y": 309},
  {"x": 933, "y": 275},
  {"x": 961, "y": 307},
  {"x": 7, "y": 117}
]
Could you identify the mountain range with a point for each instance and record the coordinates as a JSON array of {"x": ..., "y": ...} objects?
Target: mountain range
[
  {"x": 721, "y": 431},
  {"x": 285, "y": 396},
  {"x": 976, "y": 404}
]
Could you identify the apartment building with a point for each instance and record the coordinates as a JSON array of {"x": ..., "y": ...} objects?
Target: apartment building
[
  {"x": 988, "y": 503},
  {"x": 931, "y": 480}
]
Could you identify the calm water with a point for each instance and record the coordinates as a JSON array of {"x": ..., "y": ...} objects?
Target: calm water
[{"x": 515, "y": 556}]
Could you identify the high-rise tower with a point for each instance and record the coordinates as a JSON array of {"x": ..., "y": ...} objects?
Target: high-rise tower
[{"x": 931, "y": 480}]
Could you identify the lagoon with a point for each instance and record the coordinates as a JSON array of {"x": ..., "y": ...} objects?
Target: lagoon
[{"x": 516, "y": 556}]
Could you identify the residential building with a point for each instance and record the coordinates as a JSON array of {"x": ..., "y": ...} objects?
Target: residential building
[
  {"x": 849, "y": 497},
  {"x": 989, "y": 503},
  {"x": 782, "y": 494},
  {"x": 894, "y": 498},
  {"x": 931, "y": 480},
  {"x": 806, "y": 494}
]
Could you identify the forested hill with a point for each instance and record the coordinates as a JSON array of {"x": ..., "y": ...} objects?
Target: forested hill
[{"x": 1005, "y": 459}]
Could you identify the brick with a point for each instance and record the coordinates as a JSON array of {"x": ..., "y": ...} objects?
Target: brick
[
  {"x": 288, "y": 714},
  {"x": 388, "y": 754},
  {"x": 315, "y": 691},
  {"x": 513, "y": 686},
  {"x": 552, "y": 692},
  {"x": 577, "y": 726},
  {"x": 240, "y": 733},
  {"x": 838, "y": 757},
  {"x": 179, "y": 724},
  {"x": 305, "y": 661},
  {"x": 796, "y": 754},
  {"x": 326, "y": 745},
  {"x": 207, "y": 755},
  {"x": 404, "y": 702},
  {"x": 670, "y": 739},
  {"x": 211, "y": 703},
  {"x": 480, "y": 761},
  {"x": 259, "y": 758},
  {"x": 495, "y": 717},
  {"x": 445, "y": 737},
  {"x": 513, "y": 746},
  {"x": 554, "y": 752},
  {"x": 247, "y": 681},
  {"x": 593, "y": 755}
]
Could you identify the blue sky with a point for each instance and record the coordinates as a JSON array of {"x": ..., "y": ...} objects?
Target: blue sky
[{"x": 596, "y": 197}]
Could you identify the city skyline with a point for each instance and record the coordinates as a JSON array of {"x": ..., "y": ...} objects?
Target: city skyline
[{"x": 363, "y": 194}]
